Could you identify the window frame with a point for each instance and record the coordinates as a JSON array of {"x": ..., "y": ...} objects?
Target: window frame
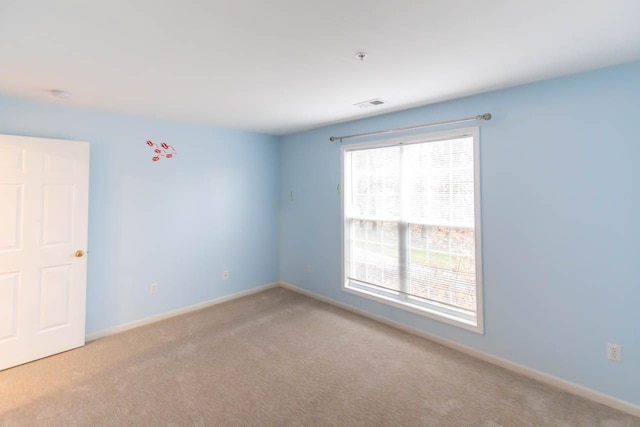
[{"x": 432, "y": 309}]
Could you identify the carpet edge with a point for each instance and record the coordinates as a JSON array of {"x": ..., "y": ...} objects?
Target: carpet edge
[
  {"x": 172, "y": 313},
  {"x": 542, "y": 377}
]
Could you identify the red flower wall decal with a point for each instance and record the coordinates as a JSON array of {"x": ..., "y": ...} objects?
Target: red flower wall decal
[{"x": 166, "y": 151}]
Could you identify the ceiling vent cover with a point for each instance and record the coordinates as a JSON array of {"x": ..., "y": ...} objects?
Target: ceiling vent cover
[{"x": 370, "y": 103}]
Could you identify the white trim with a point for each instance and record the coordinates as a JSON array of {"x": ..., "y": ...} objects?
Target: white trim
[
  {"x": 413, "y": 139},
  {"x": 438, "y": 316},
  {"x": 430, "y": 311},
  {"x": 477, "y": 200},
  {"x": 542, "y": 377},
  {"x": 152, "y": 319}
]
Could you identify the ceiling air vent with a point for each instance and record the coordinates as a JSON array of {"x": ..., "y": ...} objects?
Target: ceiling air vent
[{"x": 370, "y": 103}]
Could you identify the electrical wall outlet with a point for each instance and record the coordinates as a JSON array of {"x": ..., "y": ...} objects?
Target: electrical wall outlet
[
  {"x": 614, "y": 352},
  {"x": 153, "y": 289},
  {"x": 225, "y": 275},
  {"x": 308, "y": 268}
]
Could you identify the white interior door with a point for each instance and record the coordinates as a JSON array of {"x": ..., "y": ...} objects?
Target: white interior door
[{"x": 44, "y": 191}]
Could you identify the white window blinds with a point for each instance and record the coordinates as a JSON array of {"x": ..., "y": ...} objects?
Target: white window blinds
[{"x": 410, "y": 224}]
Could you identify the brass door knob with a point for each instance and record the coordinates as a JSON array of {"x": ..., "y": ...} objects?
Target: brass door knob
[{"x": 79, "y": 254}]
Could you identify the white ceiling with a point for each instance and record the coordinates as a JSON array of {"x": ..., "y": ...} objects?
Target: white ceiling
[{"x": 281, "y": 66}]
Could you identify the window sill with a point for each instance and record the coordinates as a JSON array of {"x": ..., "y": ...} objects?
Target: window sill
[{"x": 431, "y": 313}]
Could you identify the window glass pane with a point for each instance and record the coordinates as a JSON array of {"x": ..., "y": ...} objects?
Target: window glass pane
[
  {"x": 441, "y": 265},
  {"x": 373, "y": 252},
  {"x": 440, "y": 182},
  {"x": 418, "y": 198},
  {"x": 375, "y": 183},
  {"x": 463, "y": 241}
]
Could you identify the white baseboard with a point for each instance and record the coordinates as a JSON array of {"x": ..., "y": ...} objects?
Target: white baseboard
[
  {"x": 137, "y": 323},
  {"x": 564, "y": 385}
]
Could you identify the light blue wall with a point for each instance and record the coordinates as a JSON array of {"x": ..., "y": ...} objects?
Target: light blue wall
[
  {"x": 560, "y": 211},
  {"x": 561, "y": 215},
  {"x": 178, "y": 222}
]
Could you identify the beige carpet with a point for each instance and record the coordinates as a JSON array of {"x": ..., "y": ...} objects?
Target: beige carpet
[{"x": 278, "y": 358}]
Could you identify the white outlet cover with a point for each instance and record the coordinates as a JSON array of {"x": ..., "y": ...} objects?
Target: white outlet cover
[{"x": 614, "y": 352}]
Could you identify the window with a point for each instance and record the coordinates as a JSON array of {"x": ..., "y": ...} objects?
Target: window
[{"x": 411, "y": 224}]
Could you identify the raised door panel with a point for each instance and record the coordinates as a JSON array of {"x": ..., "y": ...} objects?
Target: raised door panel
[
  {"x": 57, "y": 214},
  {"x": 9, "y": 309},
  {"x": 12, "y": 160},
  {"x": 55, "y": 294},
  {"x": 11, "y": 198},
  {"x": 59, "y": 165}
]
